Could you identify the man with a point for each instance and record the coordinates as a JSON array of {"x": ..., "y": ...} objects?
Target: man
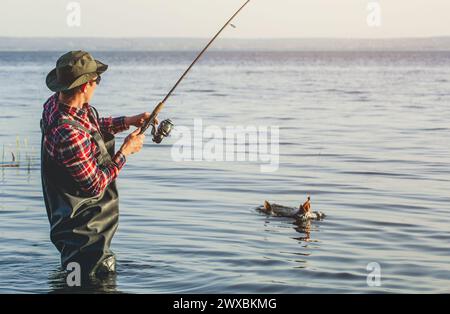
[{"x": 80, "y": 166}]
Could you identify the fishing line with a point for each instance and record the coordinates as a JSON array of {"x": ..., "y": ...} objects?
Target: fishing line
[{"x": 166, "y": 126}]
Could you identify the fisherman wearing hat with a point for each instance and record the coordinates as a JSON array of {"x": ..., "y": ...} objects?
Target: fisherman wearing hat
[{"x": 79, "y": 164}]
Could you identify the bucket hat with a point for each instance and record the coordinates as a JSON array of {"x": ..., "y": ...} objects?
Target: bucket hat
[{"x": 74, "y": 69}]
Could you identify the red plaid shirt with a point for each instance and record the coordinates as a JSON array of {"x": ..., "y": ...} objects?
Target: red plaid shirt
[{"x": 75, "y": 150}]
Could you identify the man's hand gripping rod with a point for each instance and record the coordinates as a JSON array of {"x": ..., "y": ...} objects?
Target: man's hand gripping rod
[{"x": 166, "y": 126}]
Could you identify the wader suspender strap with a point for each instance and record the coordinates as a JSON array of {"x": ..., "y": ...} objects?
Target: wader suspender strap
[
  {"x": 95, "y": 111},
  {"x": 104, "y": 155}
]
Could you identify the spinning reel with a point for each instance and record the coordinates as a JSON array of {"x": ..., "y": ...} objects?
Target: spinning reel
[{"x": 163, "y": 130}]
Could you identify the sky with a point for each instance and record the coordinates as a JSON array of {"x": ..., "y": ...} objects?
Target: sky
[{"x": 202, "y": 18}]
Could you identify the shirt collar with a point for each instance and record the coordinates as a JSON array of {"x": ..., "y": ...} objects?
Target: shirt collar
[{"x": 69, "y": 110}]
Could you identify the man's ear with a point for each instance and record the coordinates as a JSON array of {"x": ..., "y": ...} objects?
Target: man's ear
[{"x": 84, "y": 88}]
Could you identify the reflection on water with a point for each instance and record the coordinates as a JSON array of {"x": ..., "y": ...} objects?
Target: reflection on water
[
  {"x": 367, "y": 134},
  {"x": 304, "y": 228},
  {"x": 104, "y": 284}
]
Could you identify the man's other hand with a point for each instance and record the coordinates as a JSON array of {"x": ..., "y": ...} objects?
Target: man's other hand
[{"x": 133, "y": 143}]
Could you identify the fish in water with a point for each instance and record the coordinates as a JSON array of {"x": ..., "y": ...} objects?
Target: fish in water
[{"x": 302, "y": 213}]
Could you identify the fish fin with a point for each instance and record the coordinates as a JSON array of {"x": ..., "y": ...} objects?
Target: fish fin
[
  {"x": 267, "y": 206},
  {"x": 306, "y": 205}
]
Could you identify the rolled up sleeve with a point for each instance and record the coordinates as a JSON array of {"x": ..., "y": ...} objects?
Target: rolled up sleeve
[{"x": 113, "y": 125}]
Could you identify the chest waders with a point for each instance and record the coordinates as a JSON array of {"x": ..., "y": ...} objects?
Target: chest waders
[{"x": 81, "y": 226}]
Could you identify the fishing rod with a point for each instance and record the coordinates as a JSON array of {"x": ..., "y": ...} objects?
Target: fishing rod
[{"x": 166, "y": 126}]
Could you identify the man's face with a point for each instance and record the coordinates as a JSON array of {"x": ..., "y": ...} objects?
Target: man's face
[{"x": 90, "y": 88}]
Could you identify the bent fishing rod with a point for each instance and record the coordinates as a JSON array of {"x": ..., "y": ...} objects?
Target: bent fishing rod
[{"x": 166, "y": 126}]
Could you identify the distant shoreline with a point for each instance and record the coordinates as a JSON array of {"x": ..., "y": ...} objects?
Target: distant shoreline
[{"x": 224, "y": 44}]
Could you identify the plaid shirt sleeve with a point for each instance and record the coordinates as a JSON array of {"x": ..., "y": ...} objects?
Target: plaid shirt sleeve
[
  {"x": 113, "y": 125},
  {"x": 75, "y": 152}
]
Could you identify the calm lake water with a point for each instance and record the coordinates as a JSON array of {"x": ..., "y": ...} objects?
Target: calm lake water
[{"x": 366, "y": 134}]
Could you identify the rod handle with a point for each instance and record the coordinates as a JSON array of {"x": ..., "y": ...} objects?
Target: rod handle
[{"x": 151, "y": 120}]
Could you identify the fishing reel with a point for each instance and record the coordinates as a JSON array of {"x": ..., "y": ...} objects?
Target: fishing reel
[{"x": 163, "y": 130}]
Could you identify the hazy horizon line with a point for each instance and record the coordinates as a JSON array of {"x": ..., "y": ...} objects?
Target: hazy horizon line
[
  {"x": 225, "y": 38},
  {"x": 435, "y": 43}
]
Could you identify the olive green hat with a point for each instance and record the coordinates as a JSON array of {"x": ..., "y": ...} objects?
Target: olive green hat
[{"x": 74, "y": 69}]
